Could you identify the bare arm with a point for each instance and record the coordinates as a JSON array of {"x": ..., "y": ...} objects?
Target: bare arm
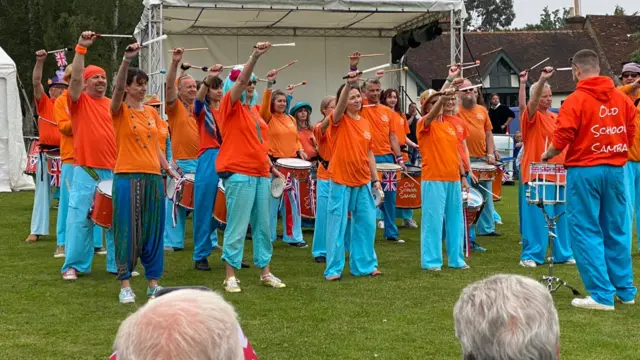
[
  {"x": 395, "y": 144},
  {"x": 522, "y": 92},
  {"x": 265, "y": 108},
  {"x": 76, "y": 83},
  {"x": 213, "y": 72},
  {"x": 490, "y": 144},
  {"x": 537, "y": 91},
  {"x": 36, "y": 76},
  {"x": 172, "y": 91},
  {"x": 121, "y": 79},
  {"x": 341, "y": 104},
  {"x": 372, "y": 166},
  {"x": 243, "y": 80}
]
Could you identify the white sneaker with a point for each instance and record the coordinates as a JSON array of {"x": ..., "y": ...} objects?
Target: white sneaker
[
  {"x": 381, "y": 224},
  {"x": 101, "y": 251},
  {"x": 70, "y": 274},
  {"x": 231, "y": 285},
  {"x": 570, "y": 262},
  {"x": 127, "y": 296},
  {"x": 633, "y": 301},
  {"x": 410, "y": 223},
  {"x": 528, "y": 263},
  {"x": 435, "y": 269},
  {"x": 135, "y": 273},
  {"x": 59, "y": 252},
  {"x": 589, "y": 303}
]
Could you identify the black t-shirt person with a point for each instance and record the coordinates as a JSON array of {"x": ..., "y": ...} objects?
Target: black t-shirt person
[{"x": 499, "y": 117}]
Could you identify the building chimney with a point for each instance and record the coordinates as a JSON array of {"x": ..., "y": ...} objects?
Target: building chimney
[
  {"x": 572, "y": 12},
  {"x": 578, "y": 10}
]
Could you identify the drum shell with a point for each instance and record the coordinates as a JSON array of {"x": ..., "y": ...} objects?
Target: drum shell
[
  {"x": 307, "y": 198},
  {"x": 496, "y": 187},
  {"x": 220, "y": 206},
  {"x": 102, "y": 210},
  {"x": 185, "y": 198},
  {"x": 32, "y": 159},
  {"x": 53, "y": 157},
  {"x": 409, "y": 195}
]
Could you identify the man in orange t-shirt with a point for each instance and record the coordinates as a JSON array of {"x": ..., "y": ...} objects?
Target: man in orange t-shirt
[
  {"x": 481, "y": 149},
  {"x": 94, "y": 146},
  {"x": 597, "y": 125},
  {"x": 538, "y": 125},
  {"x": 49, "y": 140},
  {"x": 185, "y": 143}
]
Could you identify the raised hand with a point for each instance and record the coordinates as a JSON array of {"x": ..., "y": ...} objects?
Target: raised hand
[
  {"x": 524, "y": 76},
  {"x": 271, "y": 75},
  {"x": 215, "y": 70},
  {"x": 457, "y": 83},
  {"x": 547, "y": 73},
  {"x": 290, "y": 88},
  {"x": 261, "y": 48},
  {"x": 454, "y": 71},
  {"x": 352, "y": 77},
  {"x": 379, "y": 74},
  {"x": 87, "y": 38},
  {"x": 132, "y": 51},
  {"x": 176, "y": 57},
  {"x": 41, "y": 55},
  {"x": 354, "y": 59}
]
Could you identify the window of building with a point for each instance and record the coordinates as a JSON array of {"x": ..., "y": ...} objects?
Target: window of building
[{"x": 501, "y": 75}]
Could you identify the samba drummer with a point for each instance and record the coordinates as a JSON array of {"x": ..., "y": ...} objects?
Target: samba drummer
[
  {"x": 94, "y": 144},
  {"x": 284, "y": 143},
  {"x": 138, "y": 191},
  {"x": 443, "y": 179},
  {"x": 49, "y": 140},
  {"x": 538, "y": 125}
]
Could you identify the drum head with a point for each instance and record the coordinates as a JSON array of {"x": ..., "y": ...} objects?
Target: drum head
[
  {"x": 293, "y": 163},
  {"x": 171, "y": 187},
  {"x": 105, "y": 187},
  {"x": 191, "y": 177},
  {"x": 474, "y": 198},
  {"x": 221, "y": 185},
  {"x": 413, "y": 170},
  {"x": 482, "y": 166},
  {"x": 378, "y": 197},
  {"x": 388, "y": 167},
  {"x": 277, "y": 187}
]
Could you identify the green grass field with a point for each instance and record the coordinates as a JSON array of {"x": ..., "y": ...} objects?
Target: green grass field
[{"x": 405, "y": 314}]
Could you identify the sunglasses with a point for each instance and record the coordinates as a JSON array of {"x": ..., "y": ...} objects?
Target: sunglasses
[
  {"x": 253, "y": 82},
  {"x": 629, "y": 75},
  {"x": 467, "y": 90}
]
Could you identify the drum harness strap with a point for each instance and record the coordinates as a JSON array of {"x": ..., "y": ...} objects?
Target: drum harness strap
[
  {"x": 91, "y": 172},
  {"x": 175, "y": 199}
]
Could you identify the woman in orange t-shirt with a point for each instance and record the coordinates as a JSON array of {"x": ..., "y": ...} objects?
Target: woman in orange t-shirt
[
  {"x": 442, "y": 176},
  {"x": 301, "y": 112},
  {"x": 353, "y": 173},
  {"x": 138, "y": 192},
  {"x": 284, "y": 143},
  {"x": 389, "y": 98}
]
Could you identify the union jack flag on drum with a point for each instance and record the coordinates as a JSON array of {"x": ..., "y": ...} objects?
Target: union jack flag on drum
[
  {"x": 389, "y": 181},
  {"x": 56, "y": 168}
]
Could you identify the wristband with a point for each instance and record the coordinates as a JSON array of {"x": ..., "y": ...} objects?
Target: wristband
[
  {"x": 353, "y": 69},
  {"x": 270, "y": 83},
  {"x": 81, "y": 49},
  {"x": 374, "y": 182},
  {"x": 491, "y": 155},
  {"x": 399, "y": 158},
  {"x": 450, "y": 78},
  {"x": 124, "y": 59}
]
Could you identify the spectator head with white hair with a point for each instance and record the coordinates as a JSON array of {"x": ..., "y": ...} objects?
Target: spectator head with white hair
[
  {"x": 185, "y": 324},
  {"x": 507, "y": 317}
]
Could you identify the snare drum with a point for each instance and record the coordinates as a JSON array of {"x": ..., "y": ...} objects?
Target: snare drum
[
  {"x": 53, "y": 162},
  {"x": 388, "y": 174},
  {"x": 483, "y": 171},
  {"x": 409, "y": 192},
  {"x": 473, "y": 203},
  {"x": 496, "y": 187},
  {"x": 547, "y": 184},
  {"x": 293, "y": 168},
  {"x": 101, "y": 212},
  {"x": 220, "y": 206},
  {"x": 184, "y": 197},
  {"x": 32, "y": 160}
]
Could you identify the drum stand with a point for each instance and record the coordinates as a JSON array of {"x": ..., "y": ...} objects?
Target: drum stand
[{"x": 553, "y": 283}]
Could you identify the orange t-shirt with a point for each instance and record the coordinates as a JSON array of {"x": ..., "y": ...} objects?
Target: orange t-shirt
[
  {"x": 462, "y": 134},
  {"x": 244, "y": 140},
  {"x": 537, "y": 130},
  {"x": 47, "y": 126},
  {"x": 185, "y": 141},
  {"x": 61, "y": 117},
  {"x": 634, "y": 150},
  {"x": 283, "y": 136},
  {"x": 207, "y": 141},
  {"x": 324, "y": 149},
  {"x": 163, "y": 134},
  {"x": 402, "y": 127},
  {"x": 137, "y": 140},
  {"x": 478, "y": 123},
  {"x": 350, "y": 143},
  {"x": 597, "y": 123},
  {"x": 94, "y": 140},
  {"x": 306, "y": 139},
  {"x": 381, "y": 123},
  {"x": 439, "y": 150}
]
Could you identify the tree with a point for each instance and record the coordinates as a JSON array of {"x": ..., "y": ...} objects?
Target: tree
[
  {"x": 619, "y": 11},
  {"x": 550, "y": 20},
  {"x": 635, "y": 57},
  {"x": 489, "y": 14}
]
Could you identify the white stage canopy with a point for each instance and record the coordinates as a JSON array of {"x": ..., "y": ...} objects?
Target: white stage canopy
[{"x": 325, "y": 32}]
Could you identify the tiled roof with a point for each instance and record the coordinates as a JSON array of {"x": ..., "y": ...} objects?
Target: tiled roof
[{"x": 611, "y": 34}]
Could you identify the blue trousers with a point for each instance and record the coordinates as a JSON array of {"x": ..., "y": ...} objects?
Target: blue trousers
[
  {"x": 522, "y": 199},
  {"x": 247, "y": 199},
  {"x": 66, "y": 179},
  {"x": 41, "y": 199},
  {"x": 174, "y": 236},
  {"x": 388, "y": 210},
  {"x": 357, "y": 200},
  {"x": 205, "y": 236},
  {"x": 445, "y": 202},
  {"x": 486, "y": 223},
  {"x": 79, "y": 240},
  {"x": 632, "y": 178},
  {"x": 138, "y": 219},
  {"x": 599, "y": 231},
  {"x": 319, "y": 247},
  {"x": 535, "y": 239},
  {"x": 276, "y": 207},
  {"x": 404, "y": 214}
]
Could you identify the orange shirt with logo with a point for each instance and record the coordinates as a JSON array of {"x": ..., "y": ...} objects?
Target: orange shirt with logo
[
  {"x": 137, "y": 140},
  {"x": 462, "y": 134},
  {"x": 94, "y": 140},
  {"x": 244, "y": 140},
  {"x": 61, "y": 117},
  {"x": 351, "y": 142},
  {"x": 324, "y": 149},
  {"x": 537, "y": 131},
  {"x": 381, "y": 123},
  {"x": 478, "y": 123},
  {"x": 439, "y": 150},
  {"x": 185, "y": 141},
  {"x": 634, "y": 150},
  {"x": 283, "y": 136},
  {"x": 207, "y": 141},
  {"x": 597, "y": 123},
  {"x": 306, "y": 140},
  {"x": 47, "y": 127}
]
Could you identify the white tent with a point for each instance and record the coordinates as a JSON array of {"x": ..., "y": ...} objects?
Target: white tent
[
  {"x": 13, "y": 157},
  {"x": 325, "y": 32}
]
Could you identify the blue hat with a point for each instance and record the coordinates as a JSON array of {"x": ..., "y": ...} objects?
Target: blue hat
[
  {"x": 299, "y": 106},
  {"x": 58, "y": 81}
]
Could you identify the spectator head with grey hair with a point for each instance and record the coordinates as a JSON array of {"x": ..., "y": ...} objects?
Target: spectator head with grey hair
[
  {"x": 507, "y": 317},
  {"x": 185, "y": 324}
]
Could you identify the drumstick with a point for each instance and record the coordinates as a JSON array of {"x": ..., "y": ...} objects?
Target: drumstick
[
  {"x": 163, "y": 71},
  {"x": 564, "y": 69},
  {"x": 280, "y": 45},
  {"x": 375, "y": 68},
  {"x": 192, "y": 49},
  {"x": 114, "y": 36},
  {"x": 395, "y": 70},
  {"x": 369, "y": 55},
  {"x": 411, "y": 177},
  {"x": 286, "y": 66},
  {"x": 538, "y": 64},
  {"x": 203, "y": 68},
  {"x": 160, "y": 38},
  {"x": 487, "y": 190},
  {"x": 263, "y": 80},
  {"x": 298, "y": 84},
  {"x": 477, "y": 62},
  {"x": 470, "y": 66},
  {"x": 59, "y": 50}
]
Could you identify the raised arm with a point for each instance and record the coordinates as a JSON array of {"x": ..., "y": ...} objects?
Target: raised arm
[
  {"x": 243, "y": 80},
  {"x": 76, "y": 83},
  {"x": 213, "y": 73},
  {"x": 36, "y": 76},
  {"x": 341, "y": 104},
  {"x": 546, "y": 74},
  {"x": 121, "y": 79},
  {"x": 172, "y": 91},
  {"x": 265, "y": 109},
  {"x": 453, "y": 79},
  {"x": 437, "y": 107},
  {"x": 522, "y": 92}
]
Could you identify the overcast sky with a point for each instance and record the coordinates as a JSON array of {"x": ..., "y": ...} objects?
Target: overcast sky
[{"x": 528, "y": 11}]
